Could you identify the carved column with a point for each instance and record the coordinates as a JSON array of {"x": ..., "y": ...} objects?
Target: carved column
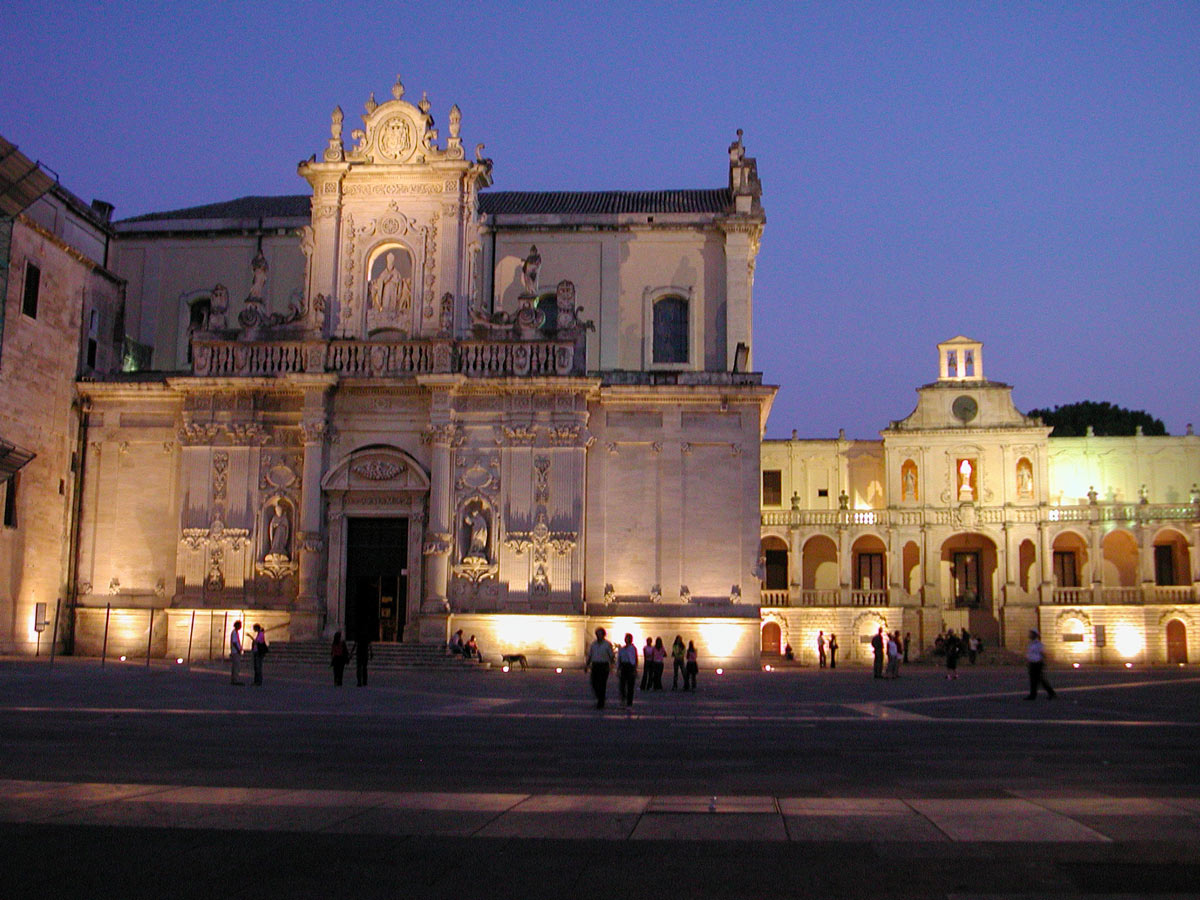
[
  {"x": 438, "y": 537},
  {"x": 1046, "y": 563},
  {"x": 845, "y": 567},
  {"x": 311, "y": 545}
]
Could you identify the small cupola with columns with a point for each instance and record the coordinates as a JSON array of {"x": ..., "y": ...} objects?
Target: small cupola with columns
[{"x": 960, "y": 359}]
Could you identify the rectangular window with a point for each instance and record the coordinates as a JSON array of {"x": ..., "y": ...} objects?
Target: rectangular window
[
  {"x": 1065, "y": 572},
  {"x": 1164, "y": 564},
  {"x": 10, "y": 502},
  {"x": 93, "y": 335},
  {"x": 870, "y": 572},
  {"x": 822, "y": 492},
  {"x": 670, "y": 330},
  {"x": 33, "y": 280},
  {"x": 772, "y": 491}
]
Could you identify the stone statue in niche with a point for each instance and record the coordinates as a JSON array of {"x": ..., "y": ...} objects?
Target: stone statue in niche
[
  {"x": 909, "y": 491},
  {"x": 391, "y": 289},
  {"x": 530, "y": 267},
  {"x": 1024, "y": 478},
  {"x": 279, "y": 534},
  {"x": 965, "y": 492},
  {"x": 475, "y": 536}
]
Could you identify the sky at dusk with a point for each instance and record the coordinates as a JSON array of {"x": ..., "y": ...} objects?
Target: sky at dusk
[{"x": 1025, "y": 174}]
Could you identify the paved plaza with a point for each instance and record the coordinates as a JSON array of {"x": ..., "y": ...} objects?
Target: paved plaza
[{"x": 131, "y": 780}]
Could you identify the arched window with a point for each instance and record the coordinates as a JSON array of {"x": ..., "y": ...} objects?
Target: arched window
[
  {"x": 671, "y": 330},
  {"x": 547, "y": 304},
  {"x": 198, "y": 315}
]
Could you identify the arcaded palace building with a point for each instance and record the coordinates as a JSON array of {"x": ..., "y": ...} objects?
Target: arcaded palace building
[
  {"x": 406, "y": 403},
  {"x": 968, "y": 515}
]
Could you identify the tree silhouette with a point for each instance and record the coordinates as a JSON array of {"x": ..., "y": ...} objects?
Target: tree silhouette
[{"x": 1106, "y": 419}]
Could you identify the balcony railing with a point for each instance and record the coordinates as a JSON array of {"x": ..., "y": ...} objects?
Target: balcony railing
[
  {"x": 387, "y": 358},
  {"x": 826, "y": 597},
  {"x": 1124, "y": 596},
  {"x": 985, "y": 515}
]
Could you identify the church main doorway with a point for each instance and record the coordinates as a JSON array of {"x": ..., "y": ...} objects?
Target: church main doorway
[{"x": 376, "y": 577}]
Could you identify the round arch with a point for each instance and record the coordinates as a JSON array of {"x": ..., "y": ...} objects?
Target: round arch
[{"x": 819, "y": 564}]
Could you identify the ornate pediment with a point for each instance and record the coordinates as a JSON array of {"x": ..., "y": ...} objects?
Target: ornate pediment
[{"x": 377, "y": 469}]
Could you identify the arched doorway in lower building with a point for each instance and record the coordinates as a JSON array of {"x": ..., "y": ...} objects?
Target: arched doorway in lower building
[
  {"x": 1176, "y": 642},
  {"x": 771, "y": 639}
]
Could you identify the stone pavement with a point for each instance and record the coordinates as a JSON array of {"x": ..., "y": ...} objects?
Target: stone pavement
[
  {"x": 159, "y": 781},
  {"x": 1036, "y": 818}
]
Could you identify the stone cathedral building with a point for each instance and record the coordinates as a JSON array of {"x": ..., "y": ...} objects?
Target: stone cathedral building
[{"x": 405, "y": 404}]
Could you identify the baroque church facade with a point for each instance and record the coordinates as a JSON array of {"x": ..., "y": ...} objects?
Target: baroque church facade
[{"x": 406, "y": 404}]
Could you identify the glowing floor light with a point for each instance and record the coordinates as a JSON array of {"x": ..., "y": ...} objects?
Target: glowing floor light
[{"x": 720, "y": 671}]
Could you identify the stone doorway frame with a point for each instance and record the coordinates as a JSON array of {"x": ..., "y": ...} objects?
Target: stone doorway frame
[{"x": 375, "y": 481}]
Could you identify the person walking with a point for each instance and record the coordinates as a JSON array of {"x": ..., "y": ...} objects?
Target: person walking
[
  {"x": 258, "y": 652},
  {"x": 600, "y": 658},
  {"x": 907, "y": 641},
  {"x": 235, "y": 653},
  {"x": 678, "y": 652},
  {"x": 362, "y": 656},
  {"x": 647, "y": 664},
  {"x": 691, "y": 667},
  {"x": 833, "y": 648},
  {"x": 821, "y": 649},
  {"x": 877, "y": 650},
  {"x": 339, "y": 655},
  {"x": 953, "y": 652},
  {"x": 627, "y": 661},
  {"x": 1035, "y": 657}
]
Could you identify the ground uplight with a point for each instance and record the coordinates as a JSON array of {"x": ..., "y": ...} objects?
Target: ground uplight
[
  {"x": 558, "y": 670},
  {"x": 720, "y": 671},
  {"x": 505, "y": 669},
  {"x": 1075, "y": 665}
]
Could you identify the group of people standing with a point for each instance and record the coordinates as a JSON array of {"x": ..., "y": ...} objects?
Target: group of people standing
[
  {"x": 340, "y": 655},
  {"x": 895, "y": 649},
  {"x": 602, "y": 655},
  {"x": 258, "y": 649}
]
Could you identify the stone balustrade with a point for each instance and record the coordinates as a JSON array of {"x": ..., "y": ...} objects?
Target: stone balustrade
[
  {"x": 1100, "y": 595},
  {"x": 1129, "y": 513},
  {"x": 826, "y": 597},
  {"x": 386, "y": 358}
]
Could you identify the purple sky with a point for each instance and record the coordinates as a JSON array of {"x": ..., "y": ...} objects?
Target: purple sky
[{"x": 1027, "y": 175}]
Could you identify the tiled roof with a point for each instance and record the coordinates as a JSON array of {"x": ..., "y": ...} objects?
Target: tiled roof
[
  {"x": 561, "y": 203},
  {"x": 288, "y": 207},
  {"x": 568, "y": 203}
]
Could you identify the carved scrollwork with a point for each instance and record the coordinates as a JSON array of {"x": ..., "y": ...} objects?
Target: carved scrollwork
[{"x": 377, "y": 469}]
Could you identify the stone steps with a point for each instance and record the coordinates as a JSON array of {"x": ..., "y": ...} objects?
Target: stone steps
[{"x": 384, "y": 656}]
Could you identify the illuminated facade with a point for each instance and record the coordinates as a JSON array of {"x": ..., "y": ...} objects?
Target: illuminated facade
[
  {"x": 60, "y": 318},
  {"x": 406, "y": 404},
  {"x": 967, "y": 515}
]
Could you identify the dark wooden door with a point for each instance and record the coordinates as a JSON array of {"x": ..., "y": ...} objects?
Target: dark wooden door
[{"x": 376, "y": 578}]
